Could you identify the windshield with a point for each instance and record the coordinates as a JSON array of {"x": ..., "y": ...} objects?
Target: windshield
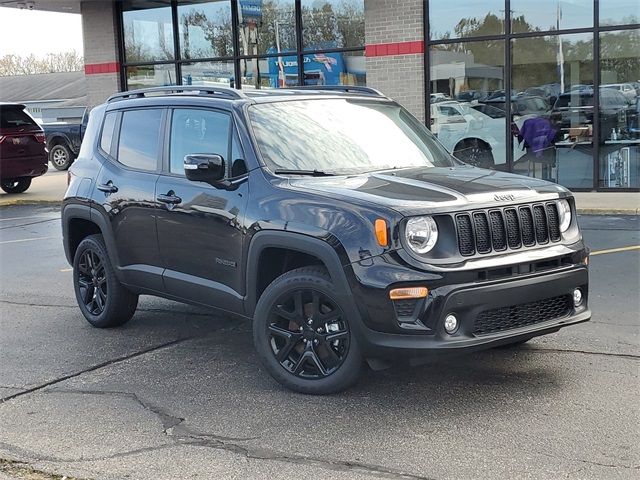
[{"x": 343, "y": 136}]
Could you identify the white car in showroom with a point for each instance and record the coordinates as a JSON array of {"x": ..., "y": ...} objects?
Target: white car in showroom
[{"x": 472, "y": 136}]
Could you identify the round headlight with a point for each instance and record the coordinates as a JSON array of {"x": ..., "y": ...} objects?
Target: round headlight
[
  {"x": 421, "y": 234},
  {"x": 564, "y": 215}
]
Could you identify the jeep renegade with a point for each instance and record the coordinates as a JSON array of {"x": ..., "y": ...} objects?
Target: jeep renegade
[{"x": 331, "y": 217}]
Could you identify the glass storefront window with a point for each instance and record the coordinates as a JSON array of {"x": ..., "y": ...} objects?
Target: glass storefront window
[
  {"x": 555, "y": 142},
  {"x": 204, "y": 29},
  {"x": 335, "y": 69},
  {"x": 332, "y": 24},
  {"x": 471, "y": 18},
  {"x": 619, "y": 12},
  {"x": 260, "y": 73},
  {"x": 266, "y": 27},
  {"x": 148, "y": 31},
  {"x": 542, "y": 15},
  {"x": 620, "y": 109},
  {"x": 467, "y": 101},
  {"x": 151, "y": 76},
  {"x": 220, "y": 74}
]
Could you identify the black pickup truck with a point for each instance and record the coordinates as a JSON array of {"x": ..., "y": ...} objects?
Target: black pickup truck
[{"x": 63, "y": 141}]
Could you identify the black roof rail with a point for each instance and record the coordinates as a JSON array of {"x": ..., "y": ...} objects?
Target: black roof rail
[
  {"x": 225, "y": 92},
  {"x": 341, "y": 88}
]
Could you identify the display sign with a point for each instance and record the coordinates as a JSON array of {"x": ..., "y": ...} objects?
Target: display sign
[{"x": 250, "y": 11}]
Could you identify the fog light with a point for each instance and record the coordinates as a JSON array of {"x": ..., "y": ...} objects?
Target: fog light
[
  {"x": 450, "y": 324},
  {"x": 577, "y": 297}
]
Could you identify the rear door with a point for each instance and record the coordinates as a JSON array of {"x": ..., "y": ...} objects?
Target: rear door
[{"x": 132, "y": 140}]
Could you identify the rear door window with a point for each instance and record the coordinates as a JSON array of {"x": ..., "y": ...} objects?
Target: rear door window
[
  {"x": 13, "y": 117},
  {"x": 139, "y": 143}
]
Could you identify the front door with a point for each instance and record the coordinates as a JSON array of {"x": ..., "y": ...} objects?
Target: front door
[{"x": 199, "y": 225}]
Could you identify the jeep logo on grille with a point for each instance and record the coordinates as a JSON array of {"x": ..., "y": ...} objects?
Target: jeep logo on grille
[{"x": 504, "y": 198}]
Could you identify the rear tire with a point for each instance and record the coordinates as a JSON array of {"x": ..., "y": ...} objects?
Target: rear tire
[
  {"x": 303, "y": 336},
  {"x": 17, "y": 185},
  {"x": 60, "y": 157},
  {"x": 102, "y": 299}
]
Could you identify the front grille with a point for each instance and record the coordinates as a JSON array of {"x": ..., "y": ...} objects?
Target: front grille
[
  {"x": 496, "y": 230},
  {"x": 405, "y": 308},
  {"x": 514, "y": 316}
]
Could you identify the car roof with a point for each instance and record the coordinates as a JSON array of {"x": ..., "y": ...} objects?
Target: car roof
[{"x": 9, "y": 104}]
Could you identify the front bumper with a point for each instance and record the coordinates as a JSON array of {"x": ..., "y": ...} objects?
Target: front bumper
[{"x": 468, "y": 301}]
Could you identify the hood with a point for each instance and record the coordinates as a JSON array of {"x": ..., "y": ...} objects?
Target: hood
[{"x": 432, "y": 190}]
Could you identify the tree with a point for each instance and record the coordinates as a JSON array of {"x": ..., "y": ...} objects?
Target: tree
[{"x": 70, "y": 61}]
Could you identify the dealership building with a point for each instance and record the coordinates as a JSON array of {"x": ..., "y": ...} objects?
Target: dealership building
[{"x": 545, "y": 88}]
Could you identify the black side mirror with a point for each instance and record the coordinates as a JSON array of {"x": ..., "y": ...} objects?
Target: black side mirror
[{"x": 202, "y": 167}]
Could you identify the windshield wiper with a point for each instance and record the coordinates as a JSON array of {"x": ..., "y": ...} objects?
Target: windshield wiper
[{"x": 312, "y": 173}]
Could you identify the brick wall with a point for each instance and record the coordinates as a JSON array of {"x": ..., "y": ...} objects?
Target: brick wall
[
  {"x": 399, "y": 75},
  {"x": 100, "y": 50}
]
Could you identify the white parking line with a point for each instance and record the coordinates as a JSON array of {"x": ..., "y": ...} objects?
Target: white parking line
[
  {"x": 26, "y": 240},
  {"x": 22, "y": 218},
  {"x": 616, "y": 250}
]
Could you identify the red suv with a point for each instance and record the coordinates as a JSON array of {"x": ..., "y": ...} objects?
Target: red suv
[{"x": 22, "y": 148}]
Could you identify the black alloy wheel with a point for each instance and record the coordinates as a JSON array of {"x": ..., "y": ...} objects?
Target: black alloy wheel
[
  {"x": 92, "y": 282},
  {"x": 308, "y": 334},
  {"x": 102, "y": 299},
  {"x": 304, "y": 334}
]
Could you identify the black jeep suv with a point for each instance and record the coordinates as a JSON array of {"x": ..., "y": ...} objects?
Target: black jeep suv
[{"x": 332, "y": 218}]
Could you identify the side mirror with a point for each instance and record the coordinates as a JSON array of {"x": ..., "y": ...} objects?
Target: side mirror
[{"x": 201, "y": 167}]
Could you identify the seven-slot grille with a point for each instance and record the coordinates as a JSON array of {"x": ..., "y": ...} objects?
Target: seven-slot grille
[{"x": 497, "y": 229}]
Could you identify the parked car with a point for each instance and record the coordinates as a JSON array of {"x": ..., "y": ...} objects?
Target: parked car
[
  {"x": 575, "y": 109},
  {"x": 63, "y": 141},
  {"x": 626, "y": 89},
  {"x": 22, "y": 150},
  {"x": 354, "y": 235},
  {"x": 520, "y": 105},
  {"x": 473, "y": 133}
]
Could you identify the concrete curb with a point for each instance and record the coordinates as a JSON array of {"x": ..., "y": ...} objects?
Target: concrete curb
[{"x": 9, "y": 203}]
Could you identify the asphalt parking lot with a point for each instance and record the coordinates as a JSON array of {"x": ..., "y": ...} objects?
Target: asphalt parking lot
[{"x": 179, "y": 392}]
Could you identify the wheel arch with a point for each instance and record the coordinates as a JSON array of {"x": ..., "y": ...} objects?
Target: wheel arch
[
  {"x": 59, "y": 139},
  {"x": 80, "y": 221},
  {"x": 297, "y": 246}
]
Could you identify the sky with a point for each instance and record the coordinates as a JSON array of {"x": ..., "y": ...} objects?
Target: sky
[{"x": 23, "y": 32}]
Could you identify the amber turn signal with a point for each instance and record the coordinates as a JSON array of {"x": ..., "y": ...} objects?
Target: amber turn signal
[
  {"x": 408, "y": 293},
  {"x": 381, "y": 232}
]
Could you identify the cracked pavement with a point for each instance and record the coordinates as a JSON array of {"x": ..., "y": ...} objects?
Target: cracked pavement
[{"x": 179, "y": 392}]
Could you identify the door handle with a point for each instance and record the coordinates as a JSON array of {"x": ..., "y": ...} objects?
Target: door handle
[
  {"x": 108, "y": 187},
  {"x": 170, "y": 198}
]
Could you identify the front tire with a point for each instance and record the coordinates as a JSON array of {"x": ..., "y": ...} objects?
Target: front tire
[
  {"x": 17, "y": 185},
  {"x": 303, "y": 336},
  {"x": 103, "y": 300},
  {"x": 60, "y": 157}
]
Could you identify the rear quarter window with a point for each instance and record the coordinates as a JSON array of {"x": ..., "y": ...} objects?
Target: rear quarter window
[{"x": 106, "y": 137}]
